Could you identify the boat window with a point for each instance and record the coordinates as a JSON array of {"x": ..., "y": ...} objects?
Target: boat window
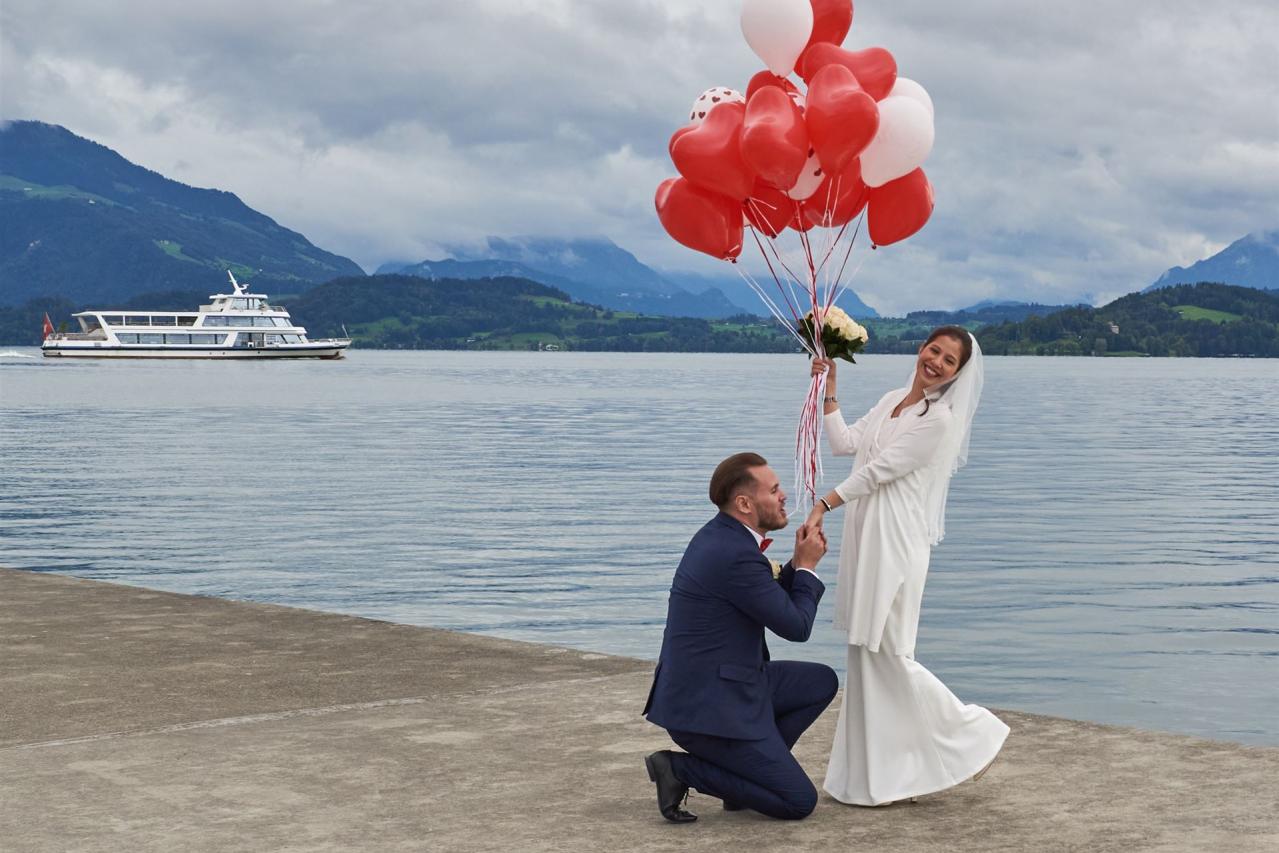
[
  {"x": 162, "y": 320},
  {"x": 150, "y": 338},
  {"x": 293, "y": 339},
  {"x": 136, "y": 320},
  {"x": 239, "y": 321},
  {"x": 281, "y": 322},
  {"x": 186, "y": 321},
  {"x": 215, "y": 321},
  {"x": 127, "y": 337},
  {"x": 262, "y": 321},
  {"x": 90, "y": 324},
  {"x": 240, "y": 303},
  {"x": 113, "y": 320}
]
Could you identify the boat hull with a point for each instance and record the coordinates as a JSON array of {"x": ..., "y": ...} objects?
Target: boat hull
[{"x": 303, "y": 351}]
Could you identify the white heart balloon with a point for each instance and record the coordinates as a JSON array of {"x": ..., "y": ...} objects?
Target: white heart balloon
[
  {"x": 710, "y": 99},
  {"x": 778, "y": 31},
  {"x": 902, "y": 143},
  {"x": 910, "y": 89},
  {"x": 810, "y": 178}
]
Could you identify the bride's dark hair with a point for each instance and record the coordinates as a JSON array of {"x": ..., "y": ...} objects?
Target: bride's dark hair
[{"x": 958, "y": 333}]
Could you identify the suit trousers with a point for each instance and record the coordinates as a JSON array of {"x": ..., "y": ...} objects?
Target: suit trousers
[{"x": 763, "y": 774}]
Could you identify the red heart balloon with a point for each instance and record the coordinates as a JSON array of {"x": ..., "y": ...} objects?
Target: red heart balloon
[
  {"x": 774, "y": 138},
  {"x": 840, "y": 198},
  {"x": 769, "y": 209},
  {"x": 699, "y": 219},
  {"x": 832, "y": 20},
  {"x": 768, "y": 78},
  {"x": 710, "y": 154},
  {"x": 873, "y": 67},
  {"x": 899, "y": 208},
  {"x": 841, "y": 117}
]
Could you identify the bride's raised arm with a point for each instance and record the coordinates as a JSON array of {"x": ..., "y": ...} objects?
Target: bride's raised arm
[{"x": 843, "y": 439}]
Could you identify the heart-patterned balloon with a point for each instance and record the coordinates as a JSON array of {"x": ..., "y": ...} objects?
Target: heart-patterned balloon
[
  {"x": 710, "y": 154},
  {"x": 810, "y": 178},
  {"x": 841, "y": 117},
  {"x": 710, "y": 99},
  {"x": 874, "y": 67}
]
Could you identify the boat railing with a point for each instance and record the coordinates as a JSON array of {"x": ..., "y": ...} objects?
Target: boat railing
[{"x": 77, "y": 336}]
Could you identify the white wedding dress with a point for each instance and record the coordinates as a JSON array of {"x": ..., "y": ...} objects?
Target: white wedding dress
[{"x": 901, "y": 732}]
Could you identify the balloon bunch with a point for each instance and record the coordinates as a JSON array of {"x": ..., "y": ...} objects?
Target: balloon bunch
[{"x": 780, "y": 160}]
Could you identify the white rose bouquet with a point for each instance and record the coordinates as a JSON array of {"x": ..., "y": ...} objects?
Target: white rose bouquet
[{"x": 841, "y": 337}]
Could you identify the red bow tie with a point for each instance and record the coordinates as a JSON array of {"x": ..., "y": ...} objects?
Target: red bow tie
[{"x": 764, "y": 543}]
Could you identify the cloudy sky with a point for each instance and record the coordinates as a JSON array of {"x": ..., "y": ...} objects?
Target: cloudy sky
[{"x": 1082, "y": 148}]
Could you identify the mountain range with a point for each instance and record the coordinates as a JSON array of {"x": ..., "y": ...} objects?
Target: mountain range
[
  {"x": 1251, "y": 261},
  {"x": 83, "y": 223},
  {"x": 598, "y": 271}
]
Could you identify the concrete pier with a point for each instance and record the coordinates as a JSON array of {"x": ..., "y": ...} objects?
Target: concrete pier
[{"x": 146, "y": 721}]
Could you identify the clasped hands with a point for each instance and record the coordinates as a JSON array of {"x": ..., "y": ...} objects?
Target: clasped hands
[{"x": 810, "y": 546}]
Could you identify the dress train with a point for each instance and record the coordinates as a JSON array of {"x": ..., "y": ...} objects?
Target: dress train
[{"x": 902, "y": 733}]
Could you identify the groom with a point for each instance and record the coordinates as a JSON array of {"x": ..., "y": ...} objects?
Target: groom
[{"x": 736, "y": 713}]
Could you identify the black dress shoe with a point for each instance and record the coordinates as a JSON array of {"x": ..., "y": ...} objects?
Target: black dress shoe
[{"x": 670, "y": 790}]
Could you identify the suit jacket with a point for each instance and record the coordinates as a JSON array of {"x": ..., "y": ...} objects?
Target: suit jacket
[{"x": 710, "y": 674}]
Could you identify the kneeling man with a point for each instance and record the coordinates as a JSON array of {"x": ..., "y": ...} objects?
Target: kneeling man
[{"x": 735, "y": 712}]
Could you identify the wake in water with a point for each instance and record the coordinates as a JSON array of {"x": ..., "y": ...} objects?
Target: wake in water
[{"x": 15, "y": 354}]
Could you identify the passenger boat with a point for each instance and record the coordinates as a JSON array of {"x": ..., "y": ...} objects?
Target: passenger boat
[{"x": 233, "y": 325}]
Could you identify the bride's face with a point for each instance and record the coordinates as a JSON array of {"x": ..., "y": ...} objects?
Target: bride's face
[{"x": 938, "y": 361}]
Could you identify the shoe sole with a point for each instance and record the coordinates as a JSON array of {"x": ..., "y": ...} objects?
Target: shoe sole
[{"x": 648, "y": 765}]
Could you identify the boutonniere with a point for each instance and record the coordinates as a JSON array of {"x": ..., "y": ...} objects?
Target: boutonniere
[{"x": 777, "y": 569}]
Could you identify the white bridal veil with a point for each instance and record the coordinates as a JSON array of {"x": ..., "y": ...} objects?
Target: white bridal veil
[{"x": 961, "y": 395}]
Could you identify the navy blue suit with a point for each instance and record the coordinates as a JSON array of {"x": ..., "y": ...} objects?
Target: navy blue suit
[{"x": 716, "y": 692}]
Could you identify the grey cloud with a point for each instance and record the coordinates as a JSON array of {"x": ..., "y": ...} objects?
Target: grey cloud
[{"x": 1082, "y": 148}]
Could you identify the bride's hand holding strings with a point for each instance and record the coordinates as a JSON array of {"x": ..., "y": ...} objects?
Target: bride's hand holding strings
[
  {"x": 824, "y": 365},
  {"x": 827, "y": 366}
]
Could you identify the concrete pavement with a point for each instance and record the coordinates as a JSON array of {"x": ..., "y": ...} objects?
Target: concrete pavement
[{"x": 146, "y": 721}]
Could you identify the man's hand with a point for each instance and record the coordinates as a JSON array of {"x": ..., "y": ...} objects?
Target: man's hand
[{"x": 810, "y": 547}]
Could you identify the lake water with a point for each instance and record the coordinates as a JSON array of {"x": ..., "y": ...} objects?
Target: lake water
[{"x": 1112, "y": 550}]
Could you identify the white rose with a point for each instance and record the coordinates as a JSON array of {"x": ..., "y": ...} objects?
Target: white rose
[{"x": 860, "y": 333}]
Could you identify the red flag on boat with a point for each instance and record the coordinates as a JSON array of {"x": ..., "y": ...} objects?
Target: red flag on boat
[{"x": 48, "y": 327}]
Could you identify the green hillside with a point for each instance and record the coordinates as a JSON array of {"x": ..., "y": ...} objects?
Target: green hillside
[
  {"x": 80, "y": 222},
  {"x": 1186, "y": 320},
  {"x": 404, "y": 312}
]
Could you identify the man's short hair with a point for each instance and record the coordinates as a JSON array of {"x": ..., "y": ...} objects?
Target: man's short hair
[{"x": 733, "y": 476}]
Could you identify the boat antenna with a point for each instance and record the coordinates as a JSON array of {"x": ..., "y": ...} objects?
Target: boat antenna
[{"x": 235, "y": 284}]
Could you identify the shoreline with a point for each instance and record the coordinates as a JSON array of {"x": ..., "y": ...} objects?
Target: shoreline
[{"x": 167, "y": 720}]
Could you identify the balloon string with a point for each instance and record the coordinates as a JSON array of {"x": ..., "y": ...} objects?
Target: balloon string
[{"x": 789, "y": 303}]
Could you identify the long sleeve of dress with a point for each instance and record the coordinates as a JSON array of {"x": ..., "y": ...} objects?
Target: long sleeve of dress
[
  {"x": 909, "y": 451},
  {"x": 844, "y": 440}
]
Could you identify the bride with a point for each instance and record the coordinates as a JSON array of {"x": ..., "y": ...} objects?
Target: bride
[{"x": 901, "y": 732}]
